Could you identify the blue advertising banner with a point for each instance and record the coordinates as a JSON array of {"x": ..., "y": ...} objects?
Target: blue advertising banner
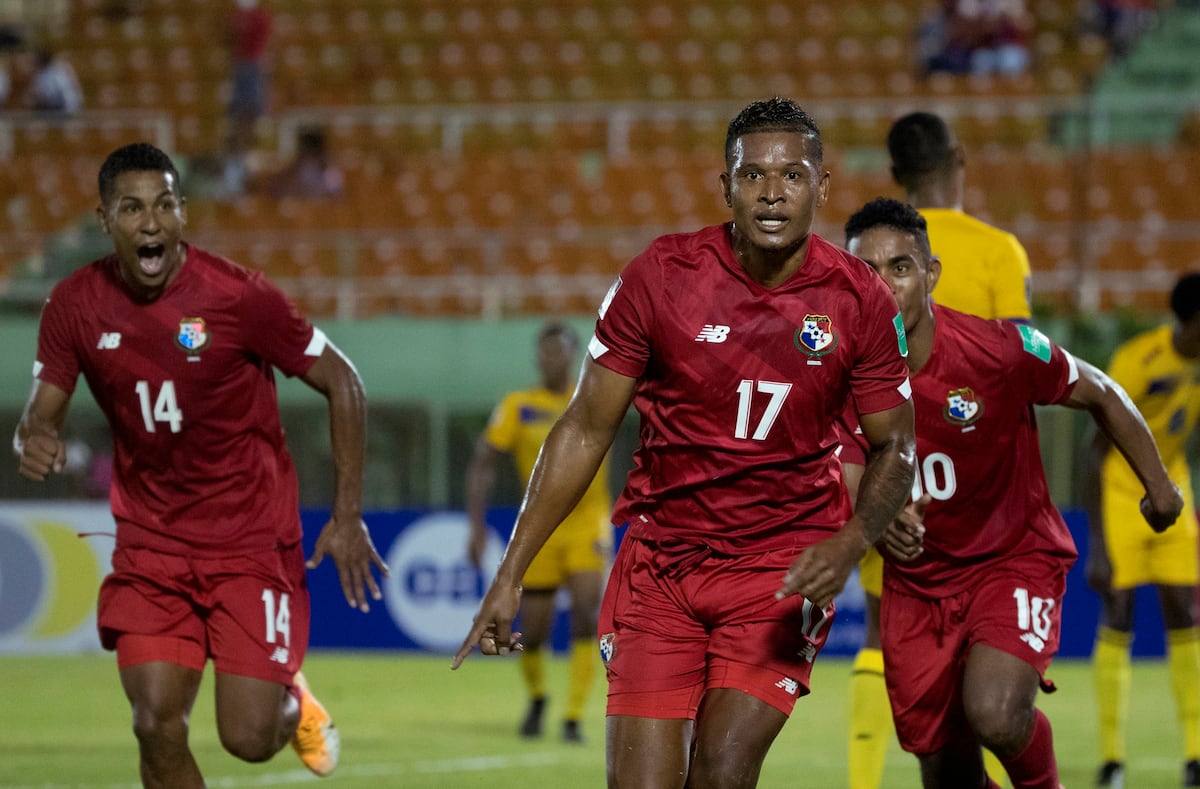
[
  {"x": 433, "y": 593},
  {"x": 49, "y": 578}
]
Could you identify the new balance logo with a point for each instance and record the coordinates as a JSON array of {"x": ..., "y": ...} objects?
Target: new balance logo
[
  {"x": 1033, "y": 641},
  {"x": 789, "y": 686},
  {"x": 713, "y": 332},
  {"x": 109, "y": 340},
  {"x": 281, "y": 655}
]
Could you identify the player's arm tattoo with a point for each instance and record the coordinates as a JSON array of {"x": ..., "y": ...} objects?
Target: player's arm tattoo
[{"x": 886, "y": 483}]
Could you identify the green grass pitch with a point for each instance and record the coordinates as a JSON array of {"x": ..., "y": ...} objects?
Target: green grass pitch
[{"x": 408, "y": 721}]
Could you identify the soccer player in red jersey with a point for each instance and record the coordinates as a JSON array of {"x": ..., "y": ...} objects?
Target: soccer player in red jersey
[
  {"x": 971, "y": 624},
  {"x": 739, "y": 345},
  {"x": 177, "y": 346}
]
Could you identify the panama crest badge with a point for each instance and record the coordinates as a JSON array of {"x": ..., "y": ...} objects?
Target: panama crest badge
[
  {"x": 193, "y": 336},
  {"x": 962, "y": 407},
  {"x": 816, "y": 337}
]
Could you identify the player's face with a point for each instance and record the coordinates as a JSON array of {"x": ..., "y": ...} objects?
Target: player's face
[
  {"x": 909, "y": 272},
  {"x": 774, "y": 185},
  {"x": 145, "y": 218},
  {"x": 555, "y": 360}
]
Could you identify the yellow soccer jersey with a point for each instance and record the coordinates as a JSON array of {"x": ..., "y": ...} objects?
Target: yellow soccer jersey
[
  {"x": 985, "y": 271},
  {"x": 1166, "y": 389},
  {"x": 519, "y": 426}
]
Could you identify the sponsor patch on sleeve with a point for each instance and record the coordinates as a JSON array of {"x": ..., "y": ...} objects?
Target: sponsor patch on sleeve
[
  {"x": 1035, "y": 342},
  {"x": 901, "y": 337}
]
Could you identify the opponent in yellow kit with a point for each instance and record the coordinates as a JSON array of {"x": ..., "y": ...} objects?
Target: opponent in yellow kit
[
  {"x": 576, "y": 555},
  {"x": 1160, "y": 369}
]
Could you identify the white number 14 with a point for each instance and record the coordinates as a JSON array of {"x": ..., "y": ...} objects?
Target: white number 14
[{"x": 166, "y": 408}]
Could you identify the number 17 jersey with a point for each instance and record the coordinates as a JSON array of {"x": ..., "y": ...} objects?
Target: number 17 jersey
[{"x": 739, "y": 386}]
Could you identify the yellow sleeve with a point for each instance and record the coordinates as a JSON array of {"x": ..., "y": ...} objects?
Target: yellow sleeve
[
  {"x": 501, "y": 431},
  {"x": 1012, "y": 285}
]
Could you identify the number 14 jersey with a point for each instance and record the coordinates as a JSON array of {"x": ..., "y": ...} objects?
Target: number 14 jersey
[{"x": 186, "y": 382}]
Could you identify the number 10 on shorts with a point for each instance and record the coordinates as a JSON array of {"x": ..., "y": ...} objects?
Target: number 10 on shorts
[{"x": 1033, "y": 617}]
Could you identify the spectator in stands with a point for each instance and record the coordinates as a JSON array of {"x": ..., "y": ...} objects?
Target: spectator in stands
[
  {"x": 310, "y": 175},
  {"x": 249, "y": 33},
  {"x": 949, "y": 36},
  {"x": 1122, "y": 21},
  {"x": 54, "y": 86},
  {"x": 976, "y": 37},
  {"x": 1007, "y": 28},
  {"x": 10, "y": 40}
]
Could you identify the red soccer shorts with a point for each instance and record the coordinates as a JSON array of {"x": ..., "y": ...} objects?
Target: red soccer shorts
[
  {"x": 249, "y": 614},
  {"x": 1017, "y": 610},
  {"x": 678, "y": 622}
]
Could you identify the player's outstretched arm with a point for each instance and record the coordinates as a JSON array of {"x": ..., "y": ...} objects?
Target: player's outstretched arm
[
  {"x": 1097, "y": 564},
  {"x": 345, "y": 537},
  {"x": 1123, "y": 424},
  {"x": 821, "y": 571},
  {"x": 565, "y": 467},
  {"x": 481, "y": 478},
  {"x": 35, "y": 442}
]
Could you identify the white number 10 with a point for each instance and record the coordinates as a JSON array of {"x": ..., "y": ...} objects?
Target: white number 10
[{"x": 746, "y": 389}]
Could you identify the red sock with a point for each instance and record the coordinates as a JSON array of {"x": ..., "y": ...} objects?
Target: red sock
[{"x": 1035, "y": 767}]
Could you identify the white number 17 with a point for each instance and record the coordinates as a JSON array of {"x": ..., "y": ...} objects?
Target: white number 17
[{"x": 746, "y": 389}]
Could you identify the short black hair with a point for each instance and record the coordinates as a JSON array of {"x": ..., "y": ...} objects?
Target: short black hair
[
  {"x": 137, "y": 157},
  {"x": 772, "y": 115},
  {"x": 559, "y": 329},
  {"x": 886, "y": 212},
  {"x": 921, "y": 145},
  {"x": 1185, "y": 297}
]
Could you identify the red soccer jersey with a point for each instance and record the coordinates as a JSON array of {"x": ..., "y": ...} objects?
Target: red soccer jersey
[
  {"x": 199, "y": 465},
  {"x": 739, "y": 387},
  {"x": 978, "y": 454}
]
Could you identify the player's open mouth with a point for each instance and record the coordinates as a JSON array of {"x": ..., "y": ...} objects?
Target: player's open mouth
[
  {"x": 770, "y": 224},
  {"x": 151, "y": 259}
]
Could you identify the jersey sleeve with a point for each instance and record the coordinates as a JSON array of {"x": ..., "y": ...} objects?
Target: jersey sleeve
[
  {"x": 501, "y": 430},
  {"x": 57, "y": 360},
  {"x": 879, "y": 380},
  {"x": 854, "y": 446},
  {"x": 275, "y": 331},
  {"x": 622, "y": 339},
  {"x": 1042, "y": 372},
  {"x": 1011, "y": 286}
]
